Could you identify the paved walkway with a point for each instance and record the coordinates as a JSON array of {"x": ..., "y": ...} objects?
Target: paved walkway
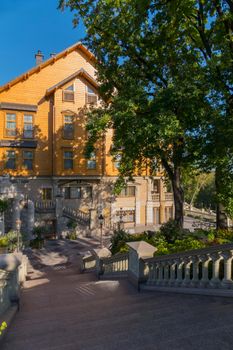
[{"x": 63, "y": 309}]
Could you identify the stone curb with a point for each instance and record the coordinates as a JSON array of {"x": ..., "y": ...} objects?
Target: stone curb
[{"x": 8, "y": 317}]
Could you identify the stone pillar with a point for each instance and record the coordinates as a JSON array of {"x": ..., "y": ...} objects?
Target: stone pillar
[
  {"x": 166, "y": 274},
  {"x": 149, "y": 213},
  {"x": 138, "y": 270},
  {"x": 137, "y": 212},
  {"x": 227, "y": 280},
  {"x": 30, "y": 219},
  {"x": 215, "y": 281},
  {"x": 16, "y": 212},
  {"x": 160, "y": 279}
]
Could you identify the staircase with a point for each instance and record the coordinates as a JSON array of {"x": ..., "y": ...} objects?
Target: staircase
[{"x": 77, "y": 215}]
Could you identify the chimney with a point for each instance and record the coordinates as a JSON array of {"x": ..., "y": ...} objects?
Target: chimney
[
  {"x": 52, "y": 55},
  {"x": 39, "y": 57}
]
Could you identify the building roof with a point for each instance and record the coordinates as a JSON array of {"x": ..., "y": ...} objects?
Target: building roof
[
  {"x": 77, "y": 46},
  {"x": 80, "y": 73}
]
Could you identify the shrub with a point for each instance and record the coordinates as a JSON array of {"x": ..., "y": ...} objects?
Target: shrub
[
  {"x": 71, "y": 224},
  {"x": 118, "y": 240},
  {"x": 3, "y": 241},
  {"x": 71, "y": 235},
  {"x": 171, "y": 231},
  {"x": 3, "y": 326}
]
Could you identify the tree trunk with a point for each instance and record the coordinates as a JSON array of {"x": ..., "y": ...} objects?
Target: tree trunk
[
  {"x": 221, "y": 217},
  {"x": 178, "y": 194}
]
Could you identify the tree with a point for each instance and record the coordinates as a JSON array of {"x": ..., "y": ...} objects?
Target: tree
[{"x": 151, "y": 53}]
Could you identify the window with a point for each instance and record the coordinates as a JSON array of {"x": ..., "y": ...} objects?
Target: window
[
  {"x": 156, "y": 186},
  {"x": 91, "y": 97},
  {"x": 46, "y": 194},
  {"x": 117, "y": 159},
  {"x": 128, "y": 191},
  {"x": 126, "y": 215},
  {"x": 168, "y": 213},
  {"x": 68, "y": 128},
  {"x": 10, "y": 160},
  {"x": 68, "y": 160},
  {"x": 28, "y": 160},
  {"x": 68, "y": 94},
  {"x": 27, "y": 126},
  {"x": 11, "y": 124},
  {"x": 73, "y": 193},
  {"x": 91, "y": 162}
]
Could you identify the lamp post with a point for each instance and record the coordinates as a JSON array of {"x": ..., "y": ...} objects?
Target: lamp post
[
  {"x": 17, "y": 225},
  {"x": 101, "y": 221},
  {"x": 121, "y": 222}
]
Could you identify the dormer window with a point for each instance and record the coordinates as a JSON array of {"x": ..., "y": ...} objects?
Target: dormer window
[
  {"x": 91, "y": 97},
  {"x": 68, "y": 94}
]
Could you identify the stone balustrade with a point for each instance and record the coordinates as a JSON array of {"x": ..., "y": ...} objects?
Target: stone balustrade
[
  {"x": 116, "y": 264},
  {"x": 13, "y": 271},
  {"x": 46, "y": 205},
  {"x": 203, "y": 268},
  {"x": 76, "y": 214}
]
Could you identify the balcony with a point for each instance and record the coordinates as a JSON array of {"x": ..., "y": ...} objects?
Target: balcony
[
  {"x": 155, "y": 197},
  {"x": 169, "y": 196},
  {"x": 45, "y": 206}
]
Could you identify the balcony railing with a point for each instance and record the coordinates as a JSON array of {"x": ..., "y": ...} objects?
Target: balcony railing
[
  {"x": 155, "y": 197},
  {"x": 45, "y": 205},
  {"x": 169, "y": 196}
]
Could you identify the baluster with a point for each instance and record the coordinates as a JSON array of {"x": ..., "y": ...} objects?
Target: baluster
[
  {"x": 227, "y": 280},
  {"x": 166, "y": 276},
  {"x": 172, "y": 272},
  {"x": 151, "y": 279},
  {"x": 187, "y": 280},
  {"x": 160, "y": 279},
  {"x": 195, "y": 280},
  {"x": 179, "y": 279},
  {"x": 205, "y": 259},
  {"x": 215, "y": 281}
]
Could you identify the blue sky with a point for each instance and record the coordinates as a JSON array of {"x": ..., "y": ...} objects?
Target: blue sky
[{"x": 30, "y": 25}]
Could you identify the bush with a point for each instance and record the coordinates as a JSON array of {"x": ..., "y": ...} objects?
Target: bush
[
  {"x": 71, "y": 235},
  {"x": 171, "y": 231},
  {"x": 71, "y": 224},
  {"x": 4, "y": 241},
  {"x": 118, "y": 240},
  {"x": 37, "y": 243}
]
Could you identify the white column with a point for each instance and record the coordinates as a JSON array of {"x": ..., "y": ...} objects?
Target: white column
[
  {"x": 137, "y": 212},
  {"x": 187, "y": 280},
  {"x": 149, "y": 213}
]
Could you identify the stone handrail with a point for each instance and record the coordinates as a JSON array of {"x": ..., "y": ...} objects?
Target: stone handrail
[
  {"x": 45, "y": 205},
  {"x": 202, "y": 268},
  {"x": 155, "y": 197},
  {"x": 114, "y": 265},
  {"x": 13, "y": 271},
  {"x": 77, "y": 215}
]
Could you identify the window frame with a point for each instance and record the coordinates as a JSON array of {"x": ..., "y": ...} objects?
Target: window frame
[
  {"x": 45, "y": 189},
  {"x": 32, "y": 159},
  {"x": 126, "y": 193},
  {"x": 65, "y": 123},
  {"x": 16, "y": 124},
  {"x": 14, "y": 158},
  {"x": 65, "y": 92},
  {"x": 71, "y": 151},
  {"x": 92, "y": 158},
  {"x": 33, "y": 118}
]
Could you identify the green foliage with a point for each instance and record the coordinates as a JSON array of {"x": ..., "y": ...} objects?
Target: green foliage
[
  {"x": 118, "y": 240},
  {"x": 3, "y": 326},
  {"x": 37, "y": 243},
  {"x": 3, "y": 205},
  {"x": 12, "y": 237},
  {"x": 71, "y": 235},
  {"x": 3, "y": 241},
  {"x": 71, "y": 224},
  {"x": 171, "y": 231}
]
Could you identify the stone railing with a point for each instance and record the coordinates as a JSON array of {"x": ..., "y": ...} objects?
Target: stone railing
[
  {"x": 46, "y": 205},
  {"x": 155, "y": 197},
  {"x": 168, "y": 196},
  {"x": 13, "y": 271},
  {"x": 77, "y": 215},
  {"x": 115, "y": 265},
  {"x": 204, "y": 268}
]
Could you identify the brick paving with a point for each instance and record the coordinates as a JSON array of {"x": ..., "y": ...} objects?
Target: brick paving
[{"x": 63, "y": 309}]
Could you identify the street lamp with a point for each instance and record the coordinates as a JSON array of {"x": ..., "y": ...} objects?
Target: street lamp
[
  {"x": 101, "y": 221},
  {"x": 18, "y": 225},
  {"x": 121, "y": 222}
]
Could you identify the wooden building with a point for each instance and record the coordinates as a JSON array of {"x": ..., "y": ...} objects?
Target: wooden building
[{"x": 42, "y": 141}]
